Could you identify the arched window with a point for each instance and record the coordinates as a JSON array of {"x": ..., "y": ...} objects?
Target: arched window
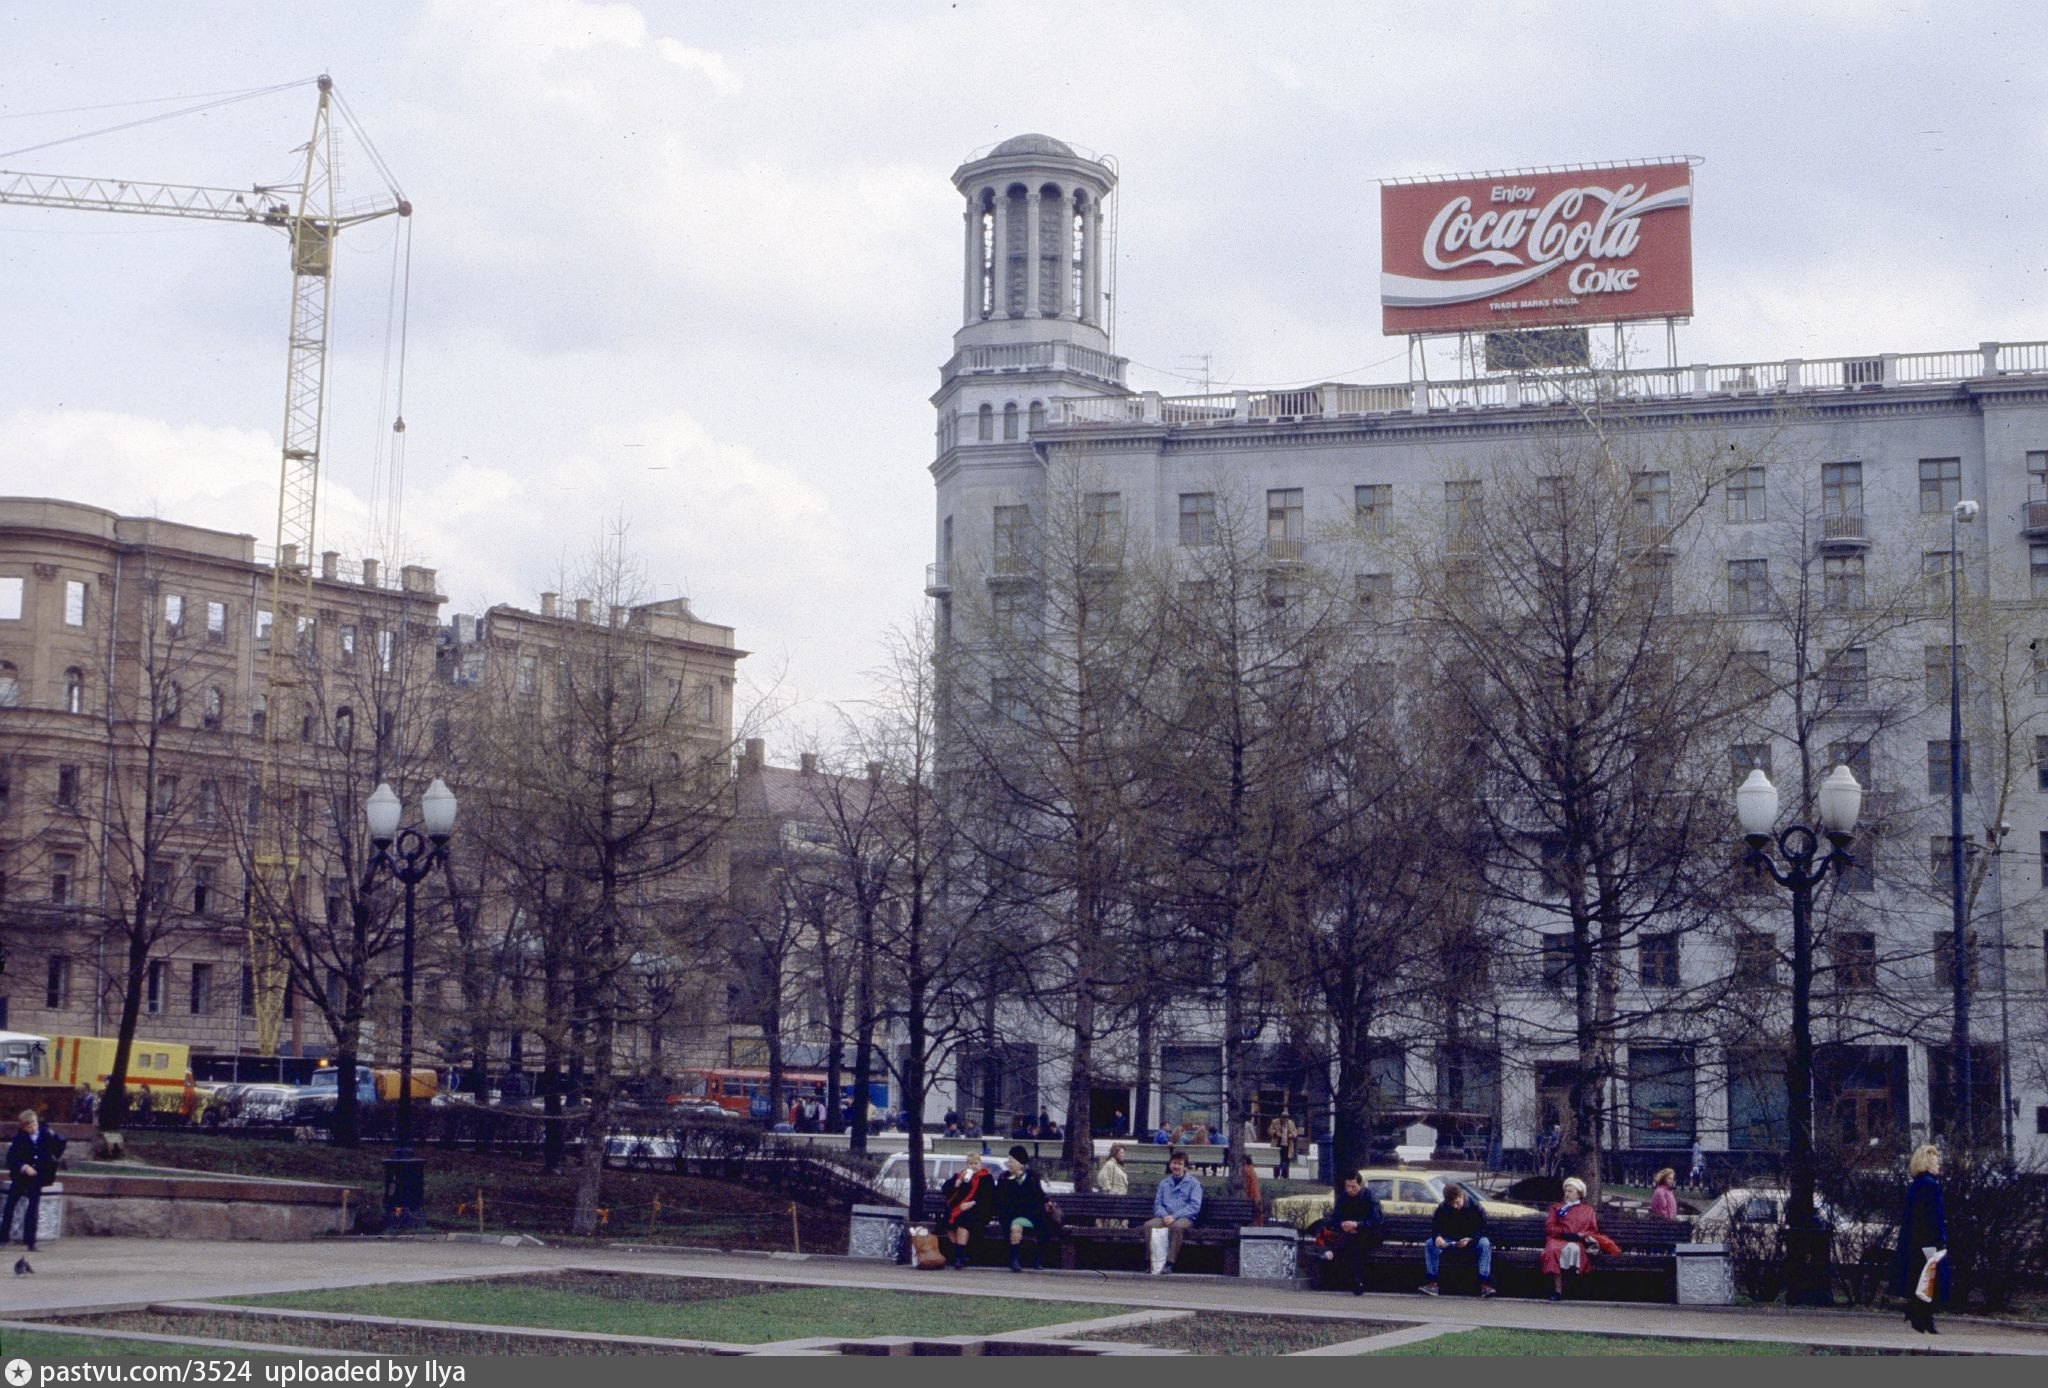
[
  {"x": 10, "y": 685},
  {"x": 1077, "y": 263},
  {"x": 74, "y": 690},
  {"x": 215, "y": 708},
  {"x": 986, "y": 430},
  {"x": 987, "y": 291},
  {"x": 1015, "y": 267},
  {"x": 1010, "y": 420},
  {"x": 1037, "y": 419}
]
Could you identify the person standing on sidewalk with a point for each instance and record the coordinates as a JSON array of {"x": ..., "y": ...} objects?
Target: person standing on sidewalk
[
  {"x": 1923, "y": 1231},
  {"x": 31, "y": 1165}
]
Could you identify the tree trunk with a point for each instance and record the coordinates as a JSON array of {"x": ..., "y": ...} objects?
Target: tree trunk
[{"x": 114, "y": 1106}]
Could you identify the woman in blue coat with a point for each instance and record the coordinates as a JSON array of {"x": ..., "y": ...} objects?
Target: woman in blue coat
[{"x": 1922, "y": 1226}]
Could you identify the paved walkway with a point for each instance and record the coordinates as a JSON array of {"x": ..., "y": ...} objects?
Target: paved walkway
[{"x": 86, "y": 1272}]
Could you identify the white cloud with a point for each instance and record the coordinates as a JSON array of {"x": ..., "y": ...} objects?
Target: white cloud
[{"x": 711, "y": 66}]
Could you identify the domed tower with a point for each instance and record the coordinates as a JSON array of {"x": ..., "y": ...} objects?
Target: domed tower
[{"x": 1033, "y": 328}]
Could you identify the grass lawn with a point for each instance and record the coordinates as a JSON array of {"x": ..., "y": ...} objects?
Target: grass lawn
[
  {"x": 689, "y": 1308},
  {"x": 1231, "y": 1332},
  {"x": 1545, "y": 1343},
  {"x": 35, "y": 1344},
  {"x": 518, "y": 1196}
]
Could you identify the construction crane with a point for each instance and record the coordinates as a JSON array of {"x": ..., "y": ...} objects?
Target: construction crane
[{"x": 306, "y": 213}]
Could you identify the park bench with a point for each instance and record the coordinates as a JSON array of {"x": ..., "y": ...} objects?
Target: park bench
[
  {"x": 1646, "y": 1269},
  {"x": 1109, "y": 1229}
]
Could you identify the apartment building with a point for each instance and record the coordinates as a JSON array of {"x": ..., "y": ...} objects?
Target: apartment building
[{"x": 1858, "y": 465}]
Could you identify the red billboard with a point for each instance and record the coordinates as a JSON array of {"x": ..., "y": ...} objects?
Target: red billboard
[{"x": 1583, "y": 245}]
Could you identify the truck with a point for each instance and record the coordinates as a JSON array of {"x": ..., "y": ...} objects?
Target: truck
[
  {"x": 156, "y": 1066},
  {"x": 315, "y": 1102}
]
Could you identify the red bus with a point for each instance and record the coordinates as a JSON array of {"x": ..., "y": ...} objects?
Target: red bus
[{"x": 745, "y": 1092}]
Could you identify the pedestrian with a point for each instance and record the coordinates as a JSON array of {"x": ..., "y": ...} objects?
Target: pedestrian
[
  {"x": 1355, "y": 1226},
  {"x": 1459, "y": 1222},
  {"x": 1696, "y": 1176},
  {"x": 1664, "y": 1199},
  {"x": 1251, "y": 1188},
  {"x": 1020, "y": 1207},
  {"x": 1571, "y": 1235},
  {"x": 1119, "y": 1124},
  {"x": 1923, "y": 1235},
  {"x": 1285, "y": 1134},
  {"x": 1176, "y": 1205},
  {"x": 965, "y": 1191},
  {"x": 1111, "y": 1178},
  {"x": 31, "y": 1164}
]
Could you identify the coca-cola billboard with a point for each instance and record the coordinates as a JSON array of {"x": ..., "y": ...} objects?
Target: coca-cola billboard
[{"x": 1589, "y": 245}]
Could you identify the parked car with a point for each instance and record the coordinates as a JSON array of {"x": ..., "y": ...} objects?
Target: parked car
[
  {"x": 894, "y": 1180},
  {"x": 259, "y": 1106},
  {"x": 1760, "y": 1208},
  {"x": 1400, "y": 1191}
]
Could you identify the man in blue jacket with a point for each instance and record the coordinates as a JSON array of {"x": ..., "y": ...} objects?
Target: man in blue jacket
[
  {"x": 31, "y": 1165},
  {"x": 1176, "y": 1205}
]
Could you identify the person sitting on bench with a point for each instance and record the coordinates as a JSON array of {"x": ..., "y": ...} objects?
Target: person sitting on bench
[
  {"x": 1176, "y": 1205},
  {"x": 1020, "y": 1208},
  {"x": 1459, "y": 1222},
  {"x": 1356, "y": 1225},
  {"x": 969, "y": 1194}
]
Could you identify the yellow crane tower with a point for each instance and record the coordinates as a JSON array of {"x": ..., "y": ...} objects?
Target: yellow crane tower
[{"x": 306, "y": 213}]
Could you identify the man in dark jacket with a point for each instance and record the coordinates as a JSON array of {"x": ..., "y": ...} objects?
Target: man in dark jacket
[
  {"x": 1459, "y": 1222},
  {"x": 31, "y": 1165},
  {"x": 1020, "y": 1206},
  {"x": 1355, "y": 1227}
]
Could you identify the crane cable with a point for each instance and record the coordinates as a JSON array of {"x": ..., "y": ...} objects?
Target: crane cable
[
  {"x": 387, "y": 483},
  {"x": 151, "y": 120}
]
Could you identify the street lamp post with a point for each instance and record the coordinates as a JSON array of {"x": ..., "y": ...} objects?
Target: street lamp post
[
  {"x": 1805, "y": 866},
  {"x": 1962, "y": 513},
  {"x": 409, "y": 856}
]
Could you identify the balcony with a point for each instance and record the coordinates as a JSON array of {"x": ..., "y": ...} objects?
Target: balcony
[
  {"x": 2034, "y": 524},
  {"x": 1648, "y": 537},
  {"x": 1286, "y": 551},
  {"x": 938, "y": 579},
  {"x": 1843, "y": 534}
]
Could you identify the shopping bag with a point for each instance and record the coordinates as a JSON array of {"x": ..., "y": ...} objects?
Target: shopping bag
[
  {"x": 1158, "y": 1242},
  {"x": 925, "y": 1252},
  {"x": 1928, "y": 1280}
]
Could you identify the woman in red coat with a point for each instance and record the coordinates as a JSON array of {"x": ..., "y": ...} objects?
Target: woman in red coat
[{"x": 1568, "y": 1235}]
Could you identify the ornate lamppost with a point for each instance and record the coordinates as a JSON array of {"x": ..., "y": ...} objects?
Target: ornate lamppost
[
  {"x": 1800, "y": 866},
  {"x": 408, "y": 855}
]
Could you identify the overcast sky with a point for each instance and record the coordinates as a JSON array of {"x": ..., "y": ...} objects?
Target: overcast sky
[{"x": 696, "y": 265}]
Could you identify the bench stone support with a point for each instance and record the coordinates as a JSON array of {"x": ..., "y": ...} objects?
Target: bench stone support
[
  {"x": 1267, "y": 1252},
  {"x": 876, "y": 1231},
  {"x": 1703, "y": 1275}
]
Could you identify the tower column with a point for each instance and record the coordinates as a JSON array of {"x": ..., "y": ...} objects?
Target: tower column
[
  {"x": 1064, "y": 296},
  {"x": 1091, "y": 264},
  {"x": 1033, "y": 217},
  {"x": 999, "y": 295},
  {"x": 970, "y": 306}
]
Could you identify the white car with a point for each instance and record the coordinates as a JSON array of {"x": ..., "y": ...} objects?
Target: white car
[
  {"x": 1750, "y": 1211},
  {"x": 894, "y": 1181}
]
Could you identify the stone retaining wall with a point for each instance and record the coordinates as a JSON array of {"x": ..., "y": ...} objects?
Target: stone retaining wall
[{"x": 202, "y": 1207}]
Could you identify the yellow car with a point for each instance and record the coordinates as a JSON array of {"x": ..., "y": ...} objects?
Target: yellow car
[{"x": 1399, "y": 1191}]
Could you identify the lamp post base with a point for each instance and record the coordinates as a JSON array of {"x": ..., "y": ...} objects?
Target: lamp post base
[
  {"x": 1809, "y": 1276},
  {"x": 405, "y": 1191}
]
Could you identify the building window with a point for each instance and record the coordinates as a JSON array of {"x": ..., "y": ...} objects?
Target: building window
[
  {"x": 1659, "y": 957},
  {"x": 1013, "y": 615},
  {"x": 213, "y": 706},
  {"x": 387, "y": 649},
  {"x": 206, "y": 809},
  {"x": 1935, "y": 577},
  {"x": 1102, "y": 527},
  {"x": 1012, "y": 528},
  {"x": 1938, "y": 767},
  {"x": 1286, "y": 592},
  {"x": 1374, "y": 595},
  {"x": 1845, "y": 679},
  {"x": 2037, "y": 569},
  {"x": 1941, "y": 485},
  {"x": 1651, "y": 582},
  {"x": 63, "y": 872},
  {"x": 527, "y": 679},
  {"x": 1375, "y": 508},
  {"x": 10, "y": 599},
  {"x": 166, "y": 794},
  {"x": 1558, "y": 971},
  {"x": 1198, "y": 518},
  {"x": 1650, "y": 499},
  {"x": 985, "y": 424},
  {"x": 174, "y": 615},
  {"x": 1006, "y": 699},
  {"x": 1934, "y": 663},
  {"x": 1285, "y": 526},
  {"x": 202, "y": 888},
  {"x": 1745, "y": 757},
  {"x": 259, "y": 713},
  {"x": 344, "y": 727},
  {"x": 173, "y": 703},
  {"x": 1841, "y": 489},
  {"x": 57, "y": 983},
  {"x": 202, "y": 989},
  {"x": 217, "y": 622},
  {"x": 74, "y": 603},
  {"x": 74, "y": 690},
  {"x": 248, "y": 1006},
  {"x": 1756, "y": 959},
  {"x": 1856, "y": 875},
  {"x": 1841, "y": 581},
  {"x": 346, "y": 639},
  {"x": 1940, "y": 862},
  {"x": 10, "y": 685},
  {"x": 67, "y": 787},
  {"x": 263, "y": 623},
  {"x": 158, "y": 981},
  {"x": 1749, "y": 586},
  {"x": 1945, "y": 959},
  {"x": 706, "y": 699},
  {"x": 1463, "y": 512},
  {"x": 1855, "y": 961},
  {"x": 1745, "y": 492},
  {"x": 1010, "y": 421}
]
